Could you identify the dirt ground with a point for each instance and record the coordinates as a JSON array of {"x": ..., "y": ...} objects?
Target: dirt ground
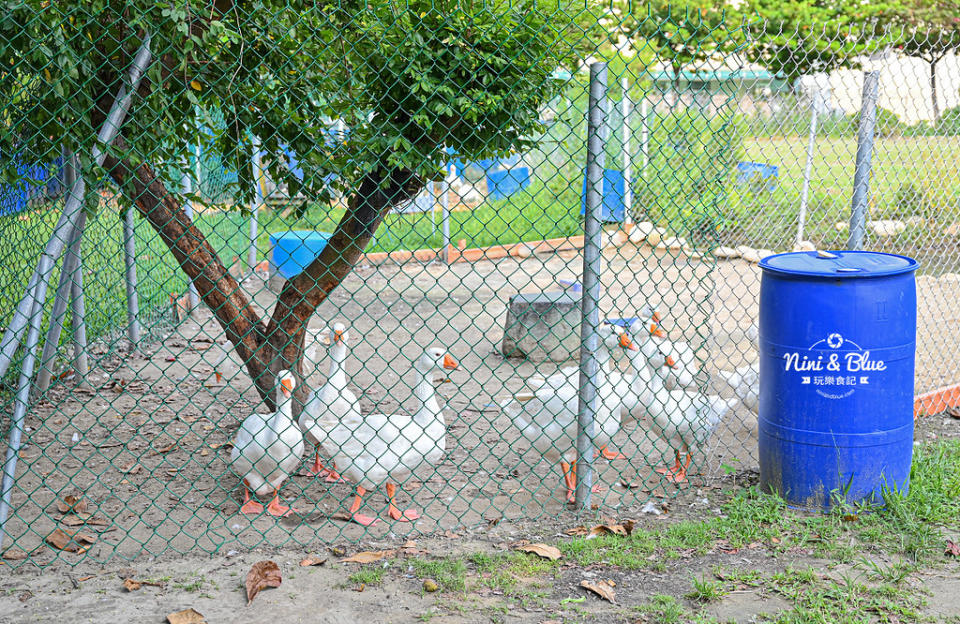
[{"x": 146, "y": 444}]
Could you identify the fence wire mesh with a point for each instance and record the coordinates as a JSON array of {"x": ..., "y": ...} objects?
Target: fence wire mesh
[{"x": 380, "y": 214}]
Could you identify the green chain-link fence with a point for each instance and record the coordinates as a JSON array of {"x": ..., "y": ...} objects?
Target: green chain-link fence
[{"x": 410, "y": 179}]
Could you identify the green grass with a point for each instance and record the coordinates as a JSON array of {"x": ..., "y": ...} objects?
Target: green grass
[
  {"x": 449, "y": 574},
  {"x": 367, "y": 576}
]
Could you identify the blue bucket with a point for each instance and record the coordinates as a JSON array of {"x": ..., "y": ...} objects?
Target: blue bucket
[
  {"x": 837, "y": 344},
  {"x": 293, "y": 251}
]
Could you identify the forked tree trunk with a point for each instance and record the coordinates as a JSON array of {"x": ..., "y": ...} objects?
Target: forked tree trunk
[{"x": 264, "y": 349}]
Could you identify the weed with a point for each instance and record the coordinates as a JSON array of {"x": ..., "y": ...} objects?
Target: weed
[
  {"x": 450, "y": 574},
  {"x": 706, "y": 590},
  {"x": 366, "y": 576}
]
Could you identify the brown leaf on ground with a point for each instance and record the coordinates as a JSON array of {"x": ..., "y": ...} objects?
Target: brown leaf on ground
[
  {"x": 187, "y": 616},
  {"x": 72, "y": 504},
  {"x": 953, "y": 412},
  {"x": 73, "y": 520},
  {"x": 14, "y": 554},
  {"x": 165, "y": 449},
  {"x": 542, "y": 550},
  {"x": 312, "y": 561},
  {"x": 131, "y": 585},
  {"x": 368, "y": 556},
  {"x": 624, "y": 529},
  {"x": 630, "y": 485},
  {"x": 604, "y": 589},
  {"x": 131, "y": 468},
  {"x": 953, "y": 549},
  {"x": 578, "y": 530},
  {"x": 70, "y": 541},
  {"x": 263, "y": 574}
]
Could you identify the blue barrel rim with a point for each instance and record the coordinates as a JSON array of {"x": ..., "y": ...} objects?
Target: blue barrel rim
[{"x": 912, "y": 265}]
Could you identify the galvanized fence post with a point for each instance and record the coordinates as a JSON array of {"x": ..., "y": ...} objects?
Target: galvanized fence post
[
  {"x": 445, "y": 213},
  {"x": 626, "y": 109},
  {"x": 258, "y": 201},
  {"x": 130, "y": 276},
  {"x": 808, "y": 167},
  {"x": 861, "y": 176},
  {"x": 51, "y": 342},
  {"x": 590, "y": 314},
  {"x": 78, "y": 322}
]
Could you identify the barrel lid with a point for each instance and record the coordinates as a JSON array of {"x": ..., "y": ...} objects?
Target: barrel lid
[{"x": 839, "y": 264}]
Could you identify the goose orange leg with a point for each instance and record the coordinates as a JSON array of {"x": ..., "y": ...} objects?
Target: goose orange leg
[
  {"x": 667, "y": 470},
  {"x": 276, "y": 509},
  {"x": 250, "y": 506},
  {"x": 355, "y": 506},
  {"x": 679, "y": 475},
  {"x": 407, "y": 515},
  {"x": 570, "y": 479},
  {"x": 609, "y": 454}
]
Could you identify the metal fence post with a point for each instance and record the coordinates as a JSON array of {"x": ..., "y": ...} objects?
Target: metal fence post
[
  {"x": 445, "y": 213},
  {"x": 51, "y": 344},
  {"x": 258, "y": 201},
  {"x": 130, "y": 275},
  {"x": 861, "y": 176},
  {"x": 808, "y": 167},
  {"x": 644, "y": 136},
  {"x": 626, "y": 109},
  {"x": 590, "y": 314},
  {"x": 22, "y": 399}
]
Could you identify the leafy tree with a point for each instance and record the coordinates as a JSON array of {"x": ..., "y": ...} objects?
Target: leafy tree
[
  {"x": 798, "y": 37},
  {"x": 408, "y": 78},
  {"x": 926, "y": 29}
]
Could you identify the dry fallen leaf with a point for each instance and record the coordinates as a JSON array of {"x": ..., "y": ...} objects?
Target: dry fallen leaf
[
  {"x": 624, "y": 529},
  {"x": 578, "y": 530},
  {"x": 165, "y": 449},
  {"x": 542, "y": 550},
  {"x": 132, "y": 468},
  {"x": 72, "y": 503},
  {"x": 14, "y": 554},
  {"x": 953, "y": 412},
  {"x": 70, "y": 541},
  {"x": 131, "y": 585},
  {"x": 367, "y": 556},
  {"x": 953, "y": 549},
  {"x": 604, "y": 589},
  {"x": 263, "y": 574},
  {"x": 81, "y": 519},
  {"x": 312, "y": 561},
  {"x": 630, "y": 485},
  {"x": 187, "y": 616}
]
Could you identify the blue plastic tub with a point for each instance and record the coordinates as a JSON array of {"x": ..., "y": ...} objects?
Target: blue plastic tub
[
  {"x": 503, "y": 184},
  {"x": 837, "y": 344},
  {"x": 747, "y": 172},
  {"x": 291, "y": 252},
  {"x": 614, "y": 190}
]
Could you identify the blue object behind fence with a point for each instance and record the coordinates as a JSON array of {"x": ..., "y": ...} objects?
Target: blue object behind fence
[
  {"x": 503, "y": 184},
  {"x": 613, "y": 207},
  {"x": 42, "y": 181},
  {"x": 747, "y": 172},
  {"x": 837, "y": 343},
  {"x": 292, "y": 251}
]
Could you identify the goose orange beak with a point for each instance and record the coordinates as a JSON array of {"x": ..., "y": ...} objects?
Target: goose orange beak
[
  {"x": 672, "y": 363},
  {"x": 626, "y": 343},
  {"x": 656, "y": 317},
  {"x": 337, "y": 335},
  {"x": 287, "y": 386},
  {"x": 449, "y": 362},
  {"x": 655, "y": 330}
]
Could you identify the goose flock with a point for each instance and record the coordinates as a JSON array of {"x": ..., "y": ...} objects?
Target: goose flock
[{"x": 657, "y": 391}]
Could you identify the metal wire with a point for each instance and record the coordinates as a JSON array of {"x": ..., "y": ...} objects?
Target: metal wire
[{"x": 712, "y": 161}]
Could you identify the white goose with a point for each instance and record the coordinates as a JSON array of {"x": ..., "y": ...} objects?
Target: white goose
[
  {"x": 383, "y": 449},
  {"x": 683, "y": 419},
  {"x": 332, "y": 402},
  {"x": 548, "y": 417},
  {"x": 267, "y": 448},
  {"x": 745, "y": 380}
]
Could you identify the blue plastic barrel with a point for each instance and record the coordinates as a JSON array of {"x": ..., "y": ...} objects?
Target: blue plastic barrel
[
  {"x": 293, "y": 251},
  {"x": 613, "y": 205},
  {"x": 504, "y": 183},
  {"x": 837, "y": 342}
]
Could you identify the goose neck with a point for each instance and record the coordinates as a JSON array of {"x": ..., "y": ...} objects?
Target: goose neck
[{"x": 426, "y": 393}]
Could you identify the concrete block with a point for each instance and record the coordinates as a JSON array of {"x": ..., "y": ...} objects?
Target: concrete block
[{"x": 543, "y": 326}]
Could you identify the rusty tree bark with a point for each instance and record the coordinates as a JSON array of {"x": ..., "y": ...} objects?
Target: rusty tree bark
[{"x": 265, "y": 349}]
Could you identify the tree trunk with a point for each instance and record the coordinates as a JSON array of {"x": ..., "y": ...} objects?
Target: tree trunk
[
  {"x": 265, "y": 351},
  {"x": 933, "y": 91}
]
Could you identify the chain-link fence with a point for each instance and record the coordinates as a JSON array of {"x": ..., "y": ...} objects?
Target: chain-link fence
[{"x": 395, "y": 206}]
